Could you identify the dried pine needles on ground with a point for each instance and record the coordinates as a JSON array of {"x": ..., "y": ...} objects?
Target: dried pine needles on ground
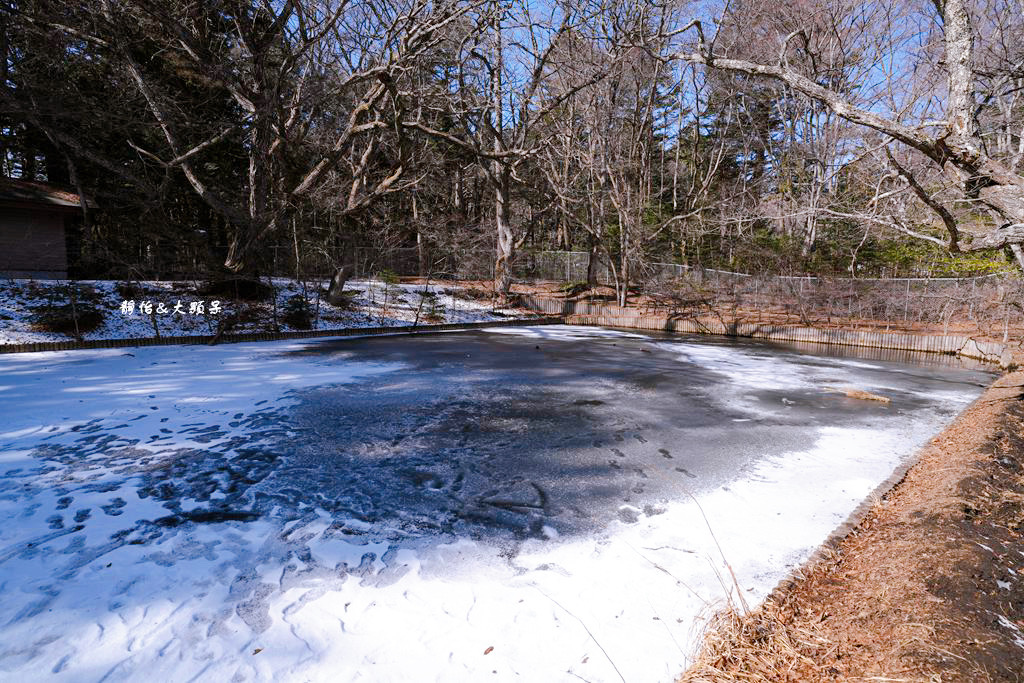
[{"x": 929, "y": 587}]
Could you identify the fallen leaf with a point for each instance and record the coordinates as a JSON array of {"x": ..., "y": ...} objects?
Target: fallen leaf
[
  {"x": 257, "y": 650},
  {"x": 866, "y": 395}
]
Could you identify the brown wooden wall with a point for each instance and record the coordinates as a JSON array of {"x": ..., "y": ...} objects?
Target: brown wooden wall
[{"x": 32, "y": 243}]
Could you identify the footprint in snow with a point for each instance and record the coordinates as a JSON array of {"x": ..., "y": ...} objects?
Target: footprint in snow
[{"x": 114, "y": 507}]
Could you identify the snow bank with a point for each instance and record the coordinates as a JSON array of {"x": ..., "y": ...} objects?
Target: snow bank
[{"x": 373, "y": 304}]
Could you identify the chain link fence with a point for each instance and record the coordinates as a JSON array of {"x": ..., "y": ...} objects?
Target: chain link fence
[{"x": 992, "y": 303}]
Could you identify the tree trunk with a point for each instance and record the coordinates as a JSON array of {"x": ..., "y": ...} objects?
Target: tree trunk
[
  {"x": 623, "y": 284},
  {"x": 810, "y": 235},
  {"x": 505, "y": 241},
  {"x": 593, "y": 261},
  {"x": 421, "y": 253},
  {"x": 624, "y": 246},
  {"x": 500, "y": 175},
  {"x": 243, "y": 240},
  {"x": 334, "y": 292},
  {"x": 421, "y": 244}
]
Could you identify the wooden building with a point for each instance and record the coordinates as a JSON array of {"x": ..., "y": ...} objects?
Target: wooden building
[{"x": 38, "y": 222}]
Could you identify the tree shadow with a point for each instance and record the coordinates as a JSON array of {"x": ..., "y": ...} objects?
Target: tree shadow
[{"x": 487, "y": 436}]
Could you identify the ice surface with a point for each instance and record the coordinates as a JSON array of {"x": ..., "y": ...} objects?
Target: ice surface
[{"x": 531, "y": 505}]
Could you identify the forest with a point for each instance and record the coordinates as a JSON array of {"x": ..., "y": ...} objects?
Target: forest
[{"x": 472, "y": 137}]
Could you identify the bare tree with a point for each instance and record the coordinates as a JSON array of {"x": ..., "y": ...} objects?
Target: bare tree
[
  {"x": 612, "y": 126},
  {"x": 957, "y": 146},
  {"x": 501, "y": 101},
  {"x": 311, "y": 86}
]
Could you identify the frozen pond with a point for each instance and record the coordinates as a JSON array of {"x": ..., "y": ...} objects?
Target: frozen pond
[{"x": 514, "y": 504}]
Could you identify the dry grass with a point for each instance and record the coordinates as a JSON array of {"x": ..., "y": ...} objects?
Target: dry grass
[{"x": 756, "y": 647}]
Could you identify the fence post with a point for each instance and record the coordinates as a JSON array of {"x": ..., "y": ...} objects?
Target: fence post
[
  {"x": 1006, "y": 315},
  {"x": 970, "y": 307},
  {"x": 906, "y": 303}
]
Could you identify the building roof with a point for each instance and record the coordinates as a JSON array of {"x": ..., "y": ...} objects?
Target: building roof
[{"x": 33, "y": 194}]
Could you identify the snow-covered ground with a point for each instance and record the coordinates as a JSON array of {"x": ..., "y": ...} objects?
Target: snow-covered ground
[
  {"x": 373, "y": 304},
  {"x": 153, "y": 524}
]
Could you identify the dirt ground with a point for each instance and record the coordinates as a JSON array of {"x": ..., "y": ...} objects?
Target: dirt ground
[{"x": 929, "y": 587}]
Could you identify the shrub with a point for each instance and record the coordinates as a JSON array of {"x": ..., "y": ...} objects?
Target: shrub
[
  {"x": 470, "y": 293},
  {"x": 129, "y": 290},
  {"x": 137, "y": 291},
  {"x": 392, "y": 293},
  {"x": 574, "y": 288},
  {"x": 433, "y": 309},
  {"x": 297, "y": 312},
  {"x": 388, "y": 277},
  {"x": 69, "y": 309}
]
